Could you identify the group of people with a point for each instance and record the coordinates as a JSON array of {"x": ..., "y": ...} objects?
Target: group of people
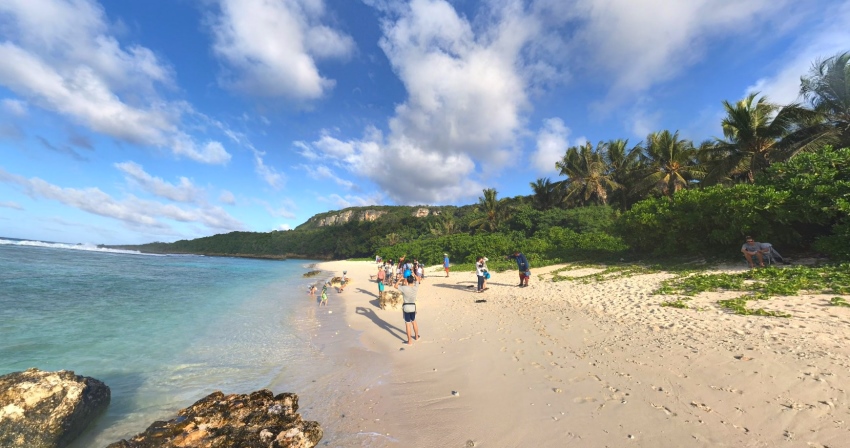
[{"x": 483, "y": 273}]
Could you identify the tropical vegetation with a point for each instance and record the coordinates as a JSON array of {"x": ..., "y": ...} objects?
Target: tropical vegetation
[{"x": 778, "y": 172}]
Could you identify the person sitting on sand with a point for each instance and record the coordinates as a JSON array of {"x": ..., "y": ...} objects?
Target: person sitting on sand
[
  {"x": 324, "y": 296},
  {"x": 408, "y": 308},
  {"x": 750, "y": 248}
]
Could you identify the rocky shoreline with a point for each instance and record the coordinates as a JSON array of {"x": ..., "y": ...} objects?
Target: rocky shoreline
[{"x": 41, "y": 409}]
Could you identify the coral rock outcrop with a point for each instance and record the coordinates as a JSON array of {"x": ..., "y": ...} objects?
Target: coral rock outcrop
[
  {"x": 260, "y": 419},
  {"x": 41, "y": 409}
]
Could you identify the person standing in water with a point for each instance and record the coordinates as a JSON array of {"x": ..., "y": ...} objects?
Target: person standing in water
[{"x": 324, "y": 301}]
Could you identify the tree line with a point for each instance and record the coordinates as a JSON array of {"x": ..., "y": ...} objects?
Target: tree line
[{"x": 774, "y": 173}]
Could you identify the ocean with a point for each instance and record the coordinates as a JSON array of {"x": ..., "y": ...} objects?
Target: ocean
[{"x": 164, "y": 331}]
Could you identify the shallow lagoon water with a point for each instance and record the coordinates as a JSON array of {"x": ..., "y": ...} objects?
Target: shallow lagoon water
[{"x": 165, "y": 331}]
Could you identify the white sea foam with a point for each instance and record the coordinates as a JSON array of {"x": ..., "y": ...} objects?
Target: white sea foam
[{"x": 86, "y": 247}]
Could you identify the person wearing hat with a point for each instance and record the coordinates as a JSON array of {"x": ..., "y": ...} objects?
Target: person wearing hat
[{"x": 446, "y": 264}]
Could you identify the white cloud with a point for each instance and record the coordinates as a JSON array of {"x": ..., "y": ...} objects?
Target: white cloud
[
  {"x": 321, "y": 172},
  {"x": 17, "y": 108},
  {"x": 636, "y": 45},
  {"x": 552, "y": 144},
  {"x": 184, "y": 192},
  {"x": 284, "y": 227},
  {"x": 227, "y": 197},
  {"x": 284, "y": 210},
  {"x": 10, "y": 204},
  {"x": 467, "y": 92},
  {"x": 271, "y": 47},
  {"x": 351, "y": 200},
  {"x": 267, "y": 173},
  {"x": 831, "y": 36},
  {"x": 130, "y": 210},
  {"x": 58, "y": 55}
]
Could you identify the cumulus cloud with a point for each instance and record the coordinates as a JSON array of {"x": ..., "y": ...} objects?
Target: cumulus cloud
[
  {"x": 830, "y": 37},
  {"x": 271, "y": 47},
  {"x": 185, "y": 191},
  {"x": 552, "y": 144},
  {"x": 75, "y": 68},
  {"x": 130, "y": 210},
  {"x": 467, "y": 92},
  {"x": 284, "y": 227}
]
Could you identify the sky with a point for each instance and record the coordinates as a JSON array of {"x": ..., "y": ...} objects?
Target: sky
[{"x": 126, "y": 122}]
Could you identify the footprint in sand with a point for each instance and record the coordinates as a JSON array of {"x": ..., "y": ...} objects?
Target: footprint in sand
[
  {"x": 584, "y": 400},
  {"x": 548, "y": 353},
  {"x": 519, "y": 341}
]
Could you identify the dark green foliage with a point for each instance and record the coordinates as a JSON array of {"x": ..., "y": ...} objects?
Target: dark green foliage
[{"x": 792, "y": 204}]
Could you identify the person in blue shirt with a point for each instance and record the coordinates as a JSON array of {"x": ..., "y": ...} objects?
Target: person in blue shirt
[
  {"x": 522, "y": 265},
  {"x": 446, "y": 264}
]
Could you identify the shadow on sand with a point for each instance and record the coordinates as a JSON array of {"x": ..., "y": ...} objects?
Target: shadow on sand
[
  {"x": 461, "y": 286},
  {"x": 363, "y": 291},
  {"x": 382, "y": 323}
]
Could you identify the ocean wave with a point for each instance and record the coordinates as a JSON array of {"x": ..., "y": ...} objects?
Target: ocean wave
[{"x": 86, "y": 247}]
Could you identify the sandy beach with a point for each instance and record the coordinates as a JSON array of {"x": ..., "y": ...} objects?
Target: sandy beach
[{"x": 598, "y": 364}]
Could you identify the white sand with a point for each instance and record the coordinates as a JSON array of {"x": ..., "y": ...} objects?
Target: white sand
[{"x": 600, "y": 364}]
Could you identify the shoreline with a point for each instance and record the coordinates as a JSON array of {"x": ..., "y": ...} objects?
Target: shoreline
[{"x": 598, "y": 364}]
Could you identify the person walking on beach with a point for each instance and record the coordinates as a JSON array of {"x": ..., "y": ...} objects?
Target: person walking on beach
[
  {"x": 324, "y": 301},
  {"x": 446, "y": 264},
  {"x": 481, "y": 271},
  {"x": 408, "y": 308},
  {"x": 522, "y": 265}
]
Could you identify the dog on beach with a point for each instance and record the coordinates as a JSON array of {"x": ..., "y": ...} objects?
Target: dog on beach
[{"x": 389, "y": 299}]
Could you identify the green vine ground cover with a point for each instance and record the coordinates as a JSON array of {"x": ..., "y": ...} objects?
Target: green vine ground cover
[{"x": 762, "y": 284}]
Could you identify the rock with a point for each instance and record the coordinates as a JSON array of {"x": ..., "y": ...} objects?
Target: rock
[
  {"x": 260, "y": 419},
  {"x": 48, "y": 409},
  {"x": 389, "y": 299}
]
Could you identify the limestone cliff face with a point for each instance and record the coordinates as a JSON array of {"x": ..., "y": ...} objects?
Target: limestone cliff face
[
  {"x": 348, "y": 215},
  {"x": 365, "y": 215}
]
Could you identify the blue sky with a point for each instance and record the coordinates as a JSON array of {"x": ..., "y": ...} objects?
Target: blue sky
[{"x": 158, "y": 120}]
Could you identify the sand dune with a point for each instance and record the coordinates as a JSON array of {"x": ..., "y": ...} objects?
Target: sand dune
[{"x": 599, "y": 364}]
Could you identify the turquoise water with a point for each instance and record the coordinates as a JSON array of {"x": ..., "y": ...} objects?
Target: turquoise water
[{"x": 160, "y": 331}]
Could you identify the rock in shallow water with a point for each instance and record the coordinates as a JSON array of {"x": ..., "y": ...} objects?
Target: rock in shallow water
[
  {"x": 218, "y": 421},
  {"x": 48, "y": 409}
]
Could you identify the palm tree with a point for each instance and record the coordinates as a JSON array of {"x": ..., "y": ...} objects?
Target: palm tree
[
  {"x": 546, "y": 193},
  {"x": 827, "y": 91},
  {"x": 671, "y": 163},
  {"x": 757, "y": 133},
  {"x": 623, "y": 165},
  {"x": 495, "y": 211},
  {"x": 587, "y": 174},
  {"x": 444, "y": 226}
]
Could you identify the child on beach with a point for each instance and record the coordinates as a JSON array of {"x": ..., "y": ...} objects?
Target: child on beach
[
  {"x": 312, "y": 290},
  {"x": 324, "y": 295},
  {"x": 446, "y": 264}
]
